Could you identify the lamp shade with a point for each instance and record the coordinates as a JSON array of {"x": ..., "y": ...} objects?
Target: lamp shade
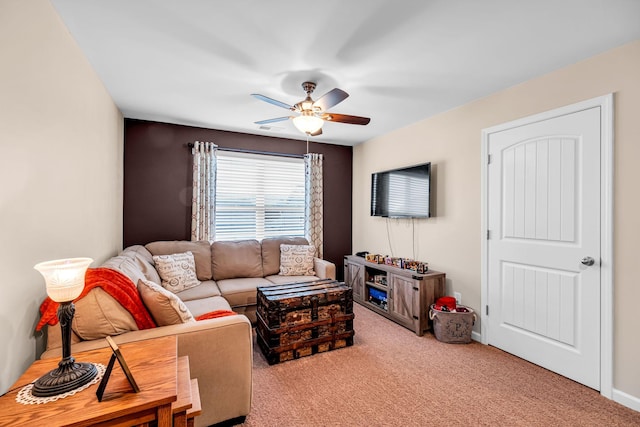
[
  {"x": 308, "y": 123},
  {"x": 64, "y": 277}
]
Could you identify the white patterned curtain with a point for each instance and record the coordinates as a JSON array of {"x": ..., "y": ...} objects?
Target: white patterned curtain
[
  {"x": 204, "y": 191},
  {"x": 314, "y": 205}
]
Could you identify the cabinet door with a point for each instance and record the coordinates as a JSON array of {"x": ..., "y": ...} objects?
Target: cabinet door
[
  {"x": 354, "y": 277},
  {"x": 403, "y": 300}
]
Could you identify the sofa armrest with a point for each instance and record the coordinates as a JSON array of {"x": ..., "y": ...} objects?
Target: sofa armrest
[
  {"x": 220, "y": 354},
  {"x": 221, "y": 357},
  {"x": 324, "y": 269}
]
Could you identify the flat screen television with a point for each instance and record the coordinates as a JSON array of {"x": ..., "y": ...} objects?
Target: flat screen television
[{"x": 402, "y": 193}]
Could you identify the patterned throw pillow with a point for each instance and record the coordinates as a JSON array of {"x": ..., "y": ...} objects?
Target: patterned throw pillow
[
  {"x": 297, "y": 260},
  {"x": 165, "y": 307},
  {"x": 177, "y": 271}
]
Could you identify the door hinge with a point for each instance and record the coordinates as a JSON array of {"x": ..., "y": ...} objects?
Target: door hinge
[
  {"x": 488, "y": 159},
  {"x": 487, "y": 309},
  {"x": 488, "y": 234}
]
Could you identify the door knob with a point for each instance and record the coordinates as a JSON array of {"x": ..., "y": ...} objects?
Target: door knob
[{"x": 588, "y": 261}]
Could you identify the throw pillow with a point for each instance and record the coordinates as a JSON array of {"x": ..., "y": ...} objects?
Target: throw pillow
[
  {"x": 177, "y": 271},
  {"x": 165, "y": 307},
  {"x": 297, "y": 260}
]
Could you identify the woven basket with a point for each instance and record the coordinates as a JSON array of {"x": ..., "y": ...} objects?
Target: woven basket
[{"x": 452, "y": 327}]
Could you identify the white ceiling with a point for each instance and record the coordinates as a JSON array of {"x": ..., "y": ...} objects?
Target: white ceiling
[{"x": 196, "y": 62}]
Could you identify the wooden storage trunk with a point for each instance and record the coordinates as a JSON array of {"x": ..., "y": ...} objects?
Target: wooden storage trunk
[{"x": 302, "y": 319}]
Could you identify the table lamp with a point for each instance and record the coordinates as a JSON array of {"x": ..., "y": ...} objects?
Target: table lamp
[{"x": 64, "y": 279}]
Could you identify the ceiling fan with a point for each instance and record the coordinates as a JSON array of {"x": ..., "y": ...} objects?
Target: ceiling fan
[{"x": 313, "y": 114}]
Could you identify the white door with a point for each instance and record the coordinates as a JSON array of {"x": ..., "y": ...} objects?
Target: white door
[{"x": 543, "y": 252}]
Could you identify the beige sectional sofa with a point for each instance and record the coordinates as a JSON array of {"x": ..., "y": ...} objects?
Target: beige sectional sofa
[{"x": 219, "y": 349}]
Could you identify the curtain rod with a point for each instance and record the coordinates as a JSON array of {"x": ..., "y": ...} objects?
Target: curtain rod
[{"x": 266, "y": 153}]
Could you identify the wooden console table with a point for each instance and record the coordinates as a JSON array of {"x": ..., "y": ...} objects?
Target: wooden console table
[
  {"x": 163, "y": 379},
  {"x": 403, "y": 296}
]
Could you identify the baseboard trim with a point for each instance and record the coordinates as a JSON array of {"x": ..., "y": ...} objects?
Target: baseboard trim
[
  {"x": 626, "y": 399},
  {"x": 476, "y": 336}
]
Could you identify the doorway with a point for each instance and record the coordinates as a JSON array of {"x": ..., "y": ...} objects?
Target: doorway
[{"x": 547, "y": 201}]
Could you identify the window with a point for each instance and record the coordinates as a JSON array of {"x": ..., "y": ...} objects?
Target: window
[{"x": 258, "y": 196}]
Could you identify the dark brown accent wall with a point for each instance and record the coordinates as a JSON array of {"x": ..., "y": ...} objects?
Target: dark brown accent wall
[{"x": 157, "y": 181}]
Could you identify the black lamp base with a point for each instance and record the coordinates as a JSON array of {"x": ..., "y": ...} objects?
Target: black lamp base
[{"x": 68, "y": 376}]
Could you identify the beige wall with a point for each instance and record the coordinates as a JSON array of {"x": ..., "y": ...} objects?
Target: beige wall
[
  {"x": 60, "y": 167},
  {"x": 451, "y": 242}
]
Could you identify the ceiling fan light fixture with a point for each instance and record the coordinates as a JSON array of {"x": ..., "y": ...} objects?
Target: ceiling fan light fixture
[
  {"x": 312, "y": 114},
  {"x": 308, "y": 124}
]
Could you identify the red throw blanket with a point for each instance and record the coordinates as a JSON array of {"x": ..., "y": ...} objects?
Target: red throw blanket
[
  {"x": 116, "y": 284},
  {"x": 217, "y": 313}
]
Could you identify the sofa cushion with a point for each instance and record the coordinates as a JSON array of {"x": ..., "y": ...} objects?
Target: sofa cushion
[
  {"x": 201, "y": 251},
  {"x": 177, "y": 271},
  {"x": 138, "y": 252},
  {"x": 284, "y": 280},
  {"x": 206, "y": 289},
  {"x": 271, "y": 252},
  {"x": 207, "y": 305},
  {"x": 241, "y": 292},
  {"x": 165, "y": 307},
  {"x": 144, "y": 260},
  {"x": 240, "y": 258},
  {"x": 98, "y": 315},
  {"x": 297, "y": 260},
  {"x": 127, "y": 266}
]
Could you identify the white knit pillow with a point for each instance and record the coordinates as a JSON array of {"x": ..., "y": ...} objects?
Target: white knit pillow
[
  {"x": 165, "y": 307},
  {"x": 177, "y": 271},
  {"x": 297, "y": 260}
]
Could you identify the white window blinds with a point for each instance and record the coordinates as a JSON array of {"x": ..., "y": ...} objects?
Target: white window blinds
[{"x": 258, "y": 196}]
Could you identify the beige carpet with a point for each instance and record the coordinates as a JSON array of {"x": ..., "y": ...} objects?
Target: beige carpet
[{"x": 391, "y": 377}]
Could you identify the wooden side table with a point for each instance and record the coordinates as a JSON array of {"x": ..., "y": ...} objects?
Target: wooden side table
[
  {"x": 187, "y": 406},
  {"x": 196, "y": 407},
  {"x": 153, "y": 364}
]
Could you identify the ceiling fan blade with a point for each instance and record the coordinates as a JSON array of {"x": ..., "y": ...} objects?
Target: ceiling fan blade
[
  {"x": 316, "y": 133},
  {"x": 277, "y": 119},
  {"x": 331, "y": 98},
  {"x": 272, "y": 101},
  {"x": 345, "y": 118}
]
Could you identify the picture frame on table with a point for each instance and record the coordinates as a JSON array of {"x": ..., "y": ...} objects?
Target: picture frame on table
[{"x": 117, "y": 354}]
